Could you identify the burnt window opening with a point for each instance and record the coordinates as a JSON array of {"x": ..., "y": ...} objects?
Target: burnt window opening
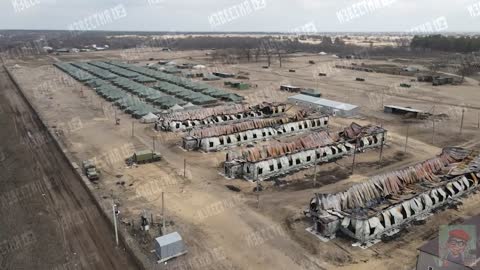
[
  {"x": 305, "y": 125},
  {"x": 314, "y": 124},
  {"x": 248, "y": 169},
  {"x": 271, "y": 168},
  {"x": 264, "y": 134},
  {"x": 239, "y": 138},
  {"x": 297, "y": 161},
  {"x": 211, "y": 144},
  {"x": 229, "y": 140},
  {"x": 260, "y": 170},
  {"x": 221, "y": 140},
  {"x": 269, "y": 133},
  {"x": 403, "y": 211},
  {"x": 254, "y": 135},
  {"x": 309, "y": 158},
  {"x": 245, "y": 137},
  {"x": 334, "y": 152},
  {"x": 290, "y": 162},
  {"x": 300, "y": 126},
  {"x": 279, "y": 165},
  {"x": 177, "y": 125},
  {"x": 324, "y": 154},
  {"x": 292, "y": 129},
  {"x": 318, "y": 155},
  {"x": 325, "y": 122}
]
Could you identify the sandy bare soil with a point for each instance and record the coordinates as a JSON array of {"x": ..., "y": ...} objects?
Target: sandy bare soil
[
  {"x": 48, "y": 219},
  {"x": 228, "y": 229}
]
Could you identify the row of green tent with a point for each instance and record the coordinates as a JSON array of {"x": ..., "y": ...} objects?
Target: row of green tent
[
  {"x": 182, "y": 82},
  {"x": 151, "y": 95},
  {"x": 98, "y": 72},
  {"x": 179, "y": 92},
  {"x": 131, "y": 105},
  {"x": 123, "y": 72},
  {"x": 74, "y": 72},
  {"x": 116, "y": 70}
]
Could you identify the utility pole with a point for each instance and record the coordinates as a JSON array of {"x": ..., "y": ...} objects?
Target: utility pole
[
  {"x": 258, "y": 193},
  {"x": 163, "y": 216},
  {"x": 461, "y": 123},
  {"x": 184, "y": 168},
  {"x": 315, "y": 171},
  {"x": 115, "y": 221},
  {"x": 382, "y": 143},
  {"x": 354, "y": 155},
  {"x": 406, "y": 140},
  {"x": 433, "y": 131},
  {"x": 153, "y": 143},
  {"x": 383, "y": 96},
  {"x": 478, "y": 123}
]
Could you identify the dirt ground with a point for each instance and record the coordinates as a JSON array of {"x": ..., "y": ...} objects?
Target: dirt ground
[
  {"x": 224, "y": 223},
  {"x": 48, "y": 218}
]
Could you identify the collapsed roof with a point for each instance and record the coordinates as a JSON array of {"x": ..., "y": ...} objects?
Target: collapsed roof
[
  {"x": 243, "y": 126},
  {"x": 311, "y": 141},
  {"x": 391, "y": 183}
]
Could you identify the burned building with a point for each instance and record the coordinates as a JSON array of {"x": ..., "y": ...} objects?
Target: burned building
[
  {"x": 185, "y": 120},
  {"x": 281, "y": 158},
  {"x": 386, "y": 203},
  {"x": 222, "y": 136}
]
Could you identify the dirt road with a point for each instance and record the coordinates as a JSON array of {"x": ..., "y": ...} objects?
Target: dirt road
[{"x": 48, "y": 219}]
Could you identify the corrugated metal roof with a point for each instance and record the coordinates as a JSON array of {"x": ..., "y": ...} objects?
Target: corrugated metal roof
[
  {"x": 323, "y": 102},
  {"x": 168, "y": 239},
  {"x": 403, "y": 108}
]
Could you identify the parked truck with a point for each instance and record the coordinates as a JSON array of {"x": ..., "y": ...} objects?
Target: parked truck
[
  {"x": 90, "y": 170},
  {"x": 145, "y": 156}
]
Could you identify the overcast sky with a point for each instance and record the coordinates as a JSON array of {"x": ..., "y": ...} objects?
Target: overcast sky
[{"x": 262, "y": 15}]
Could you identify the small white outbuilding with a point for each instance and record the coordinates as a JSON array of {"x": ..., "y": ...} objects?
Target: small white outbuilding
[{"x": 169, "y": 246}]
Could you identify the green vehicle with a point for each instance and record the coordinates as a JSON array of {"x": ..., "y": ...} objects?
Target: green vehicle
[
  {"x": 145, "y": 156},
  {"x": 90, "y": 170}
]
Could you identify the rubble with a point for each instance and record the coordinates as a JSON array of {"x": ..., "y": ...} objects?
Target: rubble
[
  {"x": 222, "y": 136},
  {"x": 386, "y": 203},
  {"x": 186, "y": 120},
  {"x": 281, "y": 158}
]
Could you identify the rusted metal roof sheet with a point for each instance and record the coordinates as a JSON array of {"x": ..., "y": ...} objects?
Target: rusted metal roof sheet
[
  {"x": 391, "y": 183},
  {"x": 203, "y": 113},
  {"x": 313, "y": 140},
  {"x": 244, "y": 126},
  {"x": 356, "y": 131}
]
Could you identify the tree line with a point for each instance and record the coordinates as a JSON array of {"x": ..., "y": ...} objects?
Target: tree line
[{"x": 463, "y": 44}]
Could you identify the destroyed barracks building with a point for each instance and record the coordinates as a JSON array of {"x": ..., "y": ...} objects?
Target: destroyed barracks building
[
  {"x": 221, "y": 136},
  {"x": 185, "y": 120},
  {"x": 383, "y": 205},
  {"x": 264, "y": 162}
]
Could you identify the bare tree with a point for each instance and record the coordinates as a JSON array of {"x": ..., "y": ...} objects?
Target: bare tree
[
  {"x": 466, "y": 68},
  {"x": 266, "y": 49},
  {"x": 257, "y": 54}
]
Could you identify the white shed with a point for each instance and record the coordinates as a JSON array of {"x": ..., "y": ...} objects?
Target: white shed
[
  {"x": 325, "y": 105},
  {"x": 169, "y": 246}
]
